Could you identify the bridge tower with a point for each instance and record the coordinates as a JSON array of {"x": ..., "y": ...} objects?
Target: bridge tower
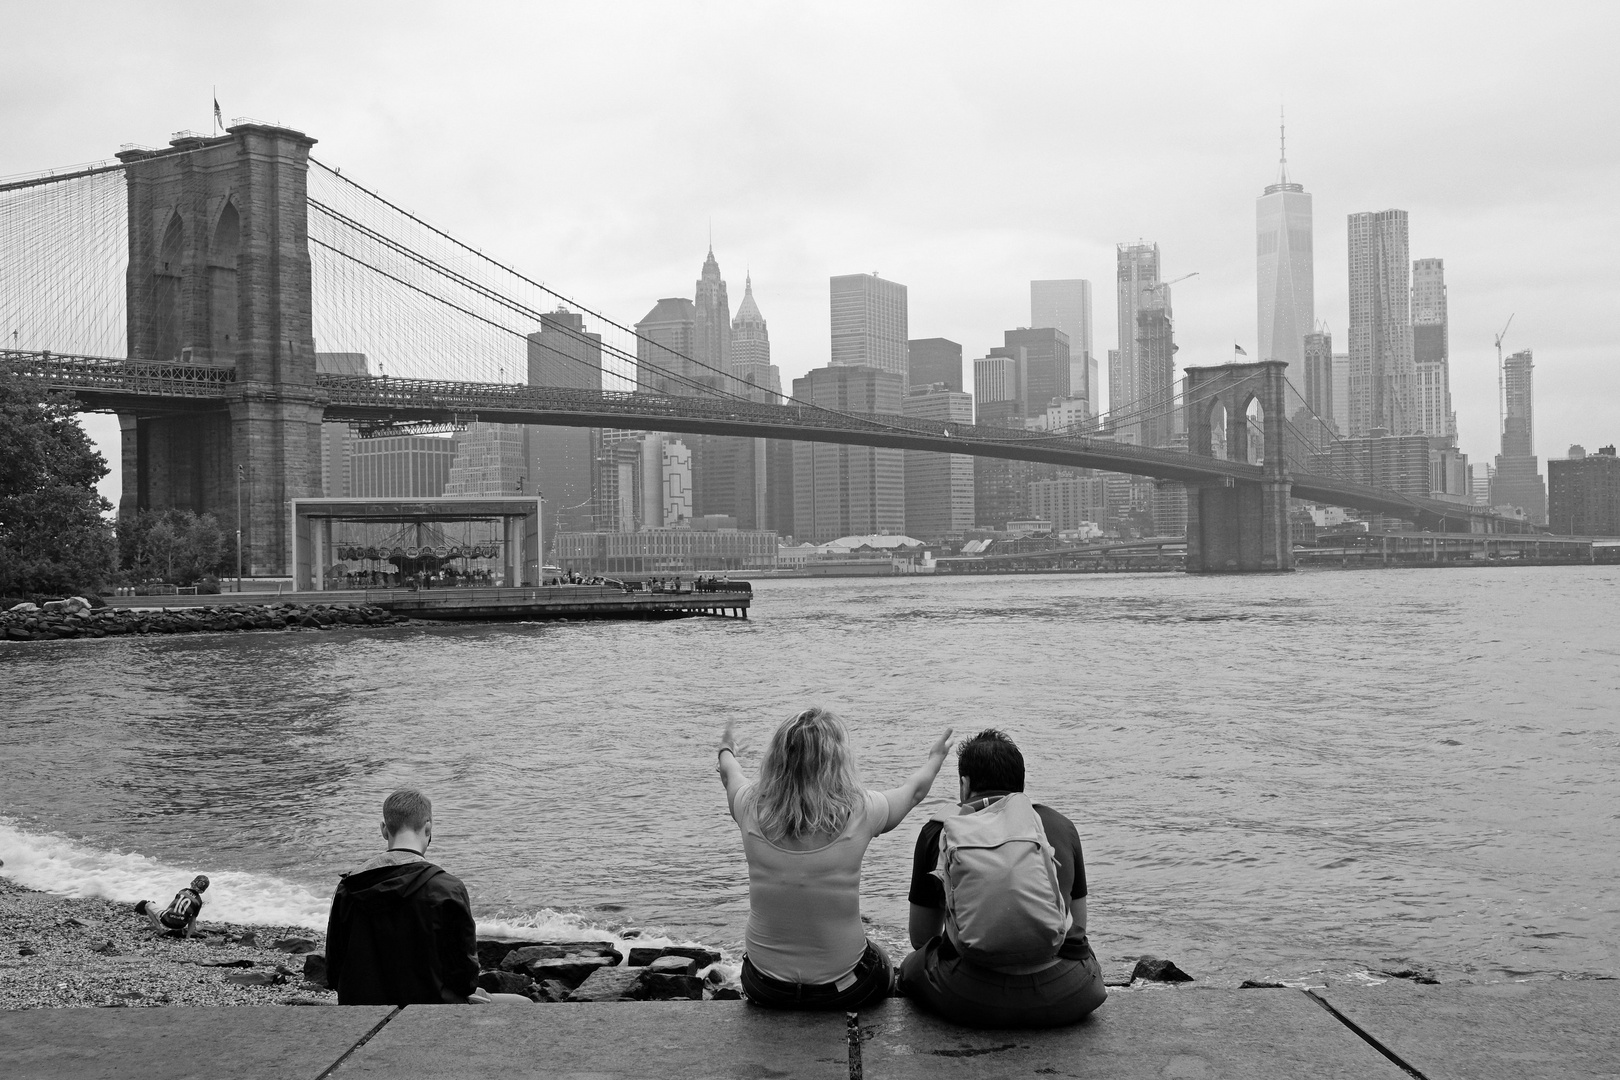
[
  {"x": 1238, "y": 526},
  {"x": 219, "y": 274}
]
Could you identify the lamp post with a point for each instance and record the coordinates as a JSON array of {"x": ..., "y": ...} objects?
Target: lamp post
[{"x": 239, "y": 529}]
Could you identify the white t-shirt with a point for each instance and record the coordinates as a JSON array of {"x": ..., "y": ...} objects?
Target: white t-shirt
[{"x": 804, "y": 907}]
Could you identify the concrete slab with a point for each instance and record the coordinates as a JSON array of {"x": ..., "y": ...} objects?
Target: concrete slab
[
  {"x": 261, "y": 1042},
  {"x": 1526, "y": 1031},
  {"x": 1254, "y": 1034},
  {"x": 666, "y": 1040}
]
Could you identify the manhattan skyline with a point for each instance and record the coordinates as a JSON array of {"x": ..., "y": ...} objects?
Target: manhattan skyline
[{"x": 1035, "y": 175}]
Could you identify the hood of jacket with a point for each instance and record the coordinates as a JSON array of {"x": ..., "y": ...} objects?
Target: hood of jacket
[{"x": 390, "y": 883}]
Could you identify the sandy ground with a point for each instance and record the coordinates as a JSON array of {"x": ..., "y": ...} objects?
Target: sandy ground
[{"x": 56, "y": 951}]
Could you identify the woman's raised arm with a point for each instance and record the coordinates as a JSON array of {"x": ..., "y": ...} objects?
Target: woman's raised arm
[
  {"x": 729, "y": 768},
  {"x": 905, "y": 797}
]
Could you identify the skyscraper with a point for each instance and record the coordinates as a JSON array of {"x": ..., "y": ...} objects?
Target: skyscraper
[
  {"x": 562, "y": 353},
  {"x": 758, "y": 379},
  {"x": 935, "y": 360},
  {"x": 1156, "y": 368},
  {"x": 1138, "y": 281},
  {"x": 711, "y": 327},
  {"x": 1318, "y": 375},
  {"x": 665, "y": 339},
  {"x": 939, "y": 487},
  {"x": 1431, "y": 350},
  {"x": 848, "y": 490},
  {"x": 1383, "y": 378},
  {"x": 1040, "y": 366},
  {"x": 869, "y": 324},
  {"x": 1286, "y": 269},
  {"x": 1066, "y": 305},
  {"x": 1517, "y": 481}
]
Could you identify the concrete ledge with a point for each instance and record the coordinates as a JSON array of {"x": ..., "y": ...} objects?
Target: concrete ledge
[
  {"x": 1523, "y": 1031},
  {"x": 663, "y": 1040},
  {"x": 1254, "y": 1034},
  {"x": 272, "y": 1042}
]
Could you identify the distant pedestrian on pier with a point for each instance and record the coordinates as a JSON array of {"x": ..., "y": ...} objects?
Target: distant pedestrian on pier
[
  {"x": 998, "y": 904},
  {"x": 401, "y": 931},
  {"x": 805, "y": 827}
]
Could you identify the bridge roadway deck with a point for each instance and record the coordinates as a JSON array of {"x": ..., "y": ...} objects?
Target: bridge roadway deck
[
  {"x": 147, "y": 387},
  {"x": 1526, "y": 1031}
]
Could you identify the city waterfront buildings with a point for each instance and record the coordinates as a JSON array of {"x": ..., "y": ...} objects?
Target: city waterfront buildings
[
  {"x": 1431, "y": 349},
  {"x": 401, "y": 467},
  {"x": 939, "y": 487},
  {"x": 935, "y": 361},
  {"x": 759, "y": 379},
  {"x": 711, "y": 327},
  {"x": 562, "y": 353},
  {"x": 1286, "y": 275},
  {"x": 695, "y": 549},
  {"x": 491, "y": 459},
  {"x": 665, "y": 339},
  {"x": 1038, "y": 368},
  {"x": 1318, "y": 375},
  {"x": 1583, "y": 493},
  {"x": 840, "y": 490},
  {"x": 1137, "y": 286},
  {"x": 1383, "y": 378},
  {"x": 1065, "y": 304},
  {"x": 869, "y": 324},
  {"x": 1517, "y": 481},
  {"x": 1156, "y": 369}
]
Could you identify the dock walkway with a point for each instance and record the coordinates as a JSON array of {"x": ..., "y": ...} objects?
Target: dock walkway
[
  {"x": 528, "y": 603},
  {"x": 1526, "y": 1031}
]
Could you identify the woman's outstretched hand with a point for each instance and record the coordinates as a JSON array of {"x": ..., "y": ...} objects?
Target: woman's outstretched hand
[
  {"x": 942, "y": 745},
  {"x": 728, "y": 739}
]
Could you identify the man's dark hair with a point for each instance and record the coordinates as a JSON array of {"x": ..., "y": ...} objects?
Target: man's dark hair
[
  {"x": 991, "y": 762},
  {"x": 406, "y": 808}
]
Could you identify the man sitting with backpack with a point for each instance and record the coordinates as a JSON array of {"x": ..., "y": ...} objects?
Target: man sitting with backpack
[{"x": 998, "y": 904}]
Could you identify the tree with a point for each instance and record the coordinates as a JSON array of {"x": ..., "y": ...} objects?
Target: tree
[
  {"x": 176, "y": 546},
  {"x": 54, "y": 538}
]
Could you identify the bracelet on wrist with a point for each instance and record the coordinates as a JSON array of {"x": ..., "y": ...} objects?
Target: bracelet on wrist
[{"x": 724, "y": 750}]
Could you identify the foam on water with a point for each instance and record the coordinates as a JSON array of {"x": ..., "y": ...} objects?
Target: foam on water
[{"x": 56, "y": 864}]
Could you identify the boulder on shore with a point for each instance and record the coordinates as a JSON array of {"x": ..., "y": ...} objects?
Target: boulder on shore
[
  {"x": 505, "y": 982},
  {"x": 569, "y": 970},
  {"x": 1153, "y": 969},
  {"x": 612, "y": 984}
]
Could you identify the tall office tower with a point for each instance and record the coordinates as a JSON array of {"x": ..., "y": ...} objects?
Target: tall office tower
[
  {"x": 759, "y": 379},
  {"x": 939, "y": 487},
  {"x": 869, "y": 324},
  {"x": 1137, "y": 286},
  {"x": 995, "y": 378},
  {"x": 1040, "y": 364},
  {"x": 664, "y": 346},
  {"x": 848, "y": 490},
  {"x": 935, "y": 360},
  {"x": 1341, "y": 394},
  {"x": 1431, "y": 349},
  {"x": 401, "y": 467},
  {"x": 1113, "y": 362},
  {"x": 563, "y": 353},
  {"x": 1156, "y": 363},
  {"x": 1383, "y": 379},
  {"x": 1066, "y": 305},
  {"x": 1319, "y": 375},
  {"x": 1286, "y": 268},
  {"x": 711, "y": 328},
  {"x": 1518, "y": 476}
]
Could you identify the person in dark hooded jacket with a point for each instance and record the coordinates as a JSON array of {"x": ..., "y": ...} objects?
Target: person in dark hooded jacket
[{"x": 401, "y": 930}]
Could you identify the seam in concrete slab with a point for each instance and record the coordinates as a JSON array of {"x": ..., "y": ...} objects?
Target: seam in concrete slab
[
  {"x": 378, "y": 1026},
  {"x": 1365, "y": 1036},
  {"x": 852, "y": 1033}
]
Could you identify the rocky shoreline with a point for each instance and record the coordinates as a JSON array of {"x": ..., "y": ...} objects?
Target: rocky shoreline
[
  {"x": 58, "y": 952},
  {"x": 76, "y": 618}
]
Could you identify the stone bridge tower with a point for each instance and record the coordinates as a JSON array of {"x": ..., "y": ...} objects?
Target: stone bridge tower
[
  {"x": 219, "y": 275},
  {"x": 1239, "y": 525}
]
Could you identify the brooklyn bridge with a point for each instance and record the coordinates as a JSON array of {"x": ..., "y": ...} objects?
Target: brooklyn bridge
[{"x": 185, "y": 289}]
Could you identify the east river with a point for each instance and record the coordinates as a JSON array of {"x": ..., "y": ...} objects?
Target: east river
[{"x": 1293, "y": 777}]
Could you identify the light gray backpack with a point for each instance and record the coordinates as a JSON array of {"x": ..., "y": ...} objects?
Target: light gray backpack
[{"x": 1003, "y": 903}]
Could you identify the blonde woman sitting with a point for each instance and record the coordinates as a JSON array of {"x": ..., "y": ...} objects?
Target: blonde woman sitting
[{"x": 805, "y": 826}]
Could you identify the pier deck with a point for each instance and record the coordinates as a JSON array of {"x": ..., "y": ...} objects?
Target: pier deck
[{"x": 1526, "y": 1031}]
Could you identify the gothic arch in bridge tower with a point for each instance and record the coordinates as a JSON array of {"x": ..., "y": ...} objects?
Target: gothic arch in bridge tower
[
  {"x": 1238, "y": 525},
  {"x": 222, "y": 296},
  {"x": 168, "y": 279}
]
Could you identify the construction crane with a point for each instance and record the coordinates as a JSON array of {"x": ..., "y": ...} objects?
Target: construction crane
[
  {"x": 1157, "y": 285},
  {"x": 1501, "y": 379}
]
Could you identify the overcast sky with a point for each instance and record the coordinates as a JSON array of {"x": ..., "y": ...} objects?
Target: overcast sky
[{"x": 961, "y": 149}]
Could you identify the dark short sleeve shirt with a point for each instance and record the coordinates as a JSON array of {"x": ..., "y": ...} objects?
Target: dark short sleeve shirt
[{"x": 928, "y": 891}]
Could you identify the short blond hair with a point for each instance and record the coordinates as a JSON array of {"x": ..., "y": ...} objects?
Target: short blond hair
[{"x": 406, "y": 808}]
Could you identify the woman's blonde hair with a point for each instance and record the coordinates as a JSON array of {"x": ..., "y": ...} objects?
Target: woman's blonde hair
[{"x": 808, "y": 782}]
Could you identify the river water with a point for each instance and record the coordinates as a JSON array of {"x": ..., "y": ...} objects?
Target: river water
[{"x": 1292, "y": 777}]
